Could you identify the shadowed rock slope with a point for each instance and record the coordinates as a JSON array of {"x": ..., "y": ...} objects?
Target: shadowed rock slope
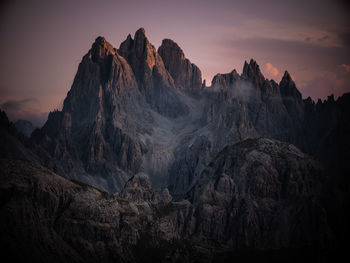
[{"x": 260, "y": 195}]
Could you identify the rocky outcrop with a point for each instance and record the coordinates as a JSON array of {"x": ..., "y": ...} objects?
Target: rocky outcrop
[
  {"x": 139, "y": 189},
  {"x": 236, "y": 107},
  {"x": 14, "y": 144},
  {"x": 252, "y": 72},
  {"x": 257, "y": 189},
  {"x": 257, "y": 194},
  {"x": 135, "y": 118},
  {"x": 136, "y": 110},
  {"x": 86, "y": 138},
  {"x": 154, "y": 81},
  {"x": 187, "y": 76},
  {"x": 292, "y": 100},
  {"x": 45, "y": 217}
]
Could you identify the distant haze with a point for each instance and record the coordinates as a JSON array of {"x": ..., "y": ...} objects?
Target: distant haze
[{"x": 42, "y": 42}]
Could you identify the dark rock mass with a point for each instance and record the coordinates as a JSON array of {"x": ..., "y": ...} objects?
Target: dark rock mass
[
  {"x": 13, "y": 144},
  {"x": 138, "y": 110},
  {"x": 25, "y": 127},
  {"x": 154, "y": 81},
  {"x": 186, "y": 75},
  {"x": 160, "y": 167},
  {"x": 257, "y": 194}
]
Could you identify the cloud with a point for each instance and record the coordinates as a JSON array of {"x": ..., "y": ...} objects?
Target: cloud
[
  {"x": 271, "y": 70},
  {"x": 25, "y": 109},
  {"x": 11, "y": 105},
  {"x": 324, "y": 38},
  {"x": 326, "y": 83},
  {"x": 345, "y": 67},
  {"x": 306, "y": 60}
]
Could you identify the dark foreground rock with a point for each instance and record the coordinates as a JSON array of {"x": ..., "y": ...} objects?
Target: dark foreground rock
[{"x": 258, "y": 199}]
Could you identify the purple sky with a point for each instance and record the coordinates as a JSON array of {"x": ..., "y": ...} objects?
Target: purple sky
[{"x": 42, "y": 42}]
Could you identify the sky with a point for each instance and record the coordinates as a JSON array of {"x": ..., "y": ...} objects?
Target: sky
[{"x": 42, "y": 42}]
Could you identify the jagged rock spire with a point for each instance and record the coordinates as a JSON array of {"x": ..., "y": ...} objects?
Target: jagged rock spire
[
  {"x": 225, "y": 80},
  {"x": 252, "y": 72},
  {"x": 154, "y": 81},
  {"x": 288, "y": 88},
  {"x": 101, "y": 48},
  {"x": 187, "y": 76}
]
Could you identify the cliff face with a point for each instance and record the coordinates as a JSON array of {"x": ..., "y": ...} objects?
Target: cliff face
[
  {"x": 257, "y": 194},
  {"x": 138, "y": 110},
  {"x": 154, "y": 81},
  {"x": 162, "y": 168},
  {"x": 256, "y": 189},
  {"x": 94, "y": 133},
  {"x": 187, "y": 76}
]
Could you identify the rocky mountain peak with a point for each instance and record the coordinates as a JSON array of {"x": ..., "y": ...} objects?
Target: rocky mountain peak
[
  {"x": 169, "y": 45},
  {"x": 140, "y": 33},
  {"x": 252, "y": 72},
  {"x": 140, "y": 54},
  {"x": 139, "y": 189},
  {"x": 287, "y": 76},
  {"x": 187, "y": 76},
  {"x": 101, "y": 48},
  {"x": 154, "y": 81},
  {"x": 288, "y": 88}
]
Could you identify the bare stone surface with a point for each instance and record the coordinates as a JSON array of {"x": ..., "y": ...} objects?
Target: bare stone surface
[{"x": 257, "y": 194}]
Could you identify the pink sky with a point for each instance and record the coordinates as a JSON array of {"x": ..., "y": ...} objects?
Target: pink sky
[{"x": 42, "y": 42}]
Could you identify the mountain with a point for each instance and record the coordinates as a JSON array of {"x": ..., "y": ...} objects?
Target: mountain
[
  {"x": 186, "y": 75},
  {"x": 25, "y": 127},
  {"x": 136, "y": 109},
  {"x": 14, "y": 144},
  {"x": 259, "y": 194},
  {"x": 158, "y": 166},
  {"x": 121, "y": 114}
]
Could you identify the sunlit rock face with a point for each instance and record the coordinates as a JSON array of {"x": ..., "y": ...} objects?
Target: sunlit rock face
[{"x": 154, "y": 81}]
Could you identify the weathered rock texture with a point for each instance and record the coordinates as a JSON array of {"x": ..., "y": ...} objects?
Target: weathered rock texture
[
  {"x": 138, "y": 110},
  {"x": 134, "y": 112},
  {"x": 154, "y": 81},
  {"x": 257, "y": 194},
  {"x": 257, "y": 189},
  {"x": 186, "y": 75}
]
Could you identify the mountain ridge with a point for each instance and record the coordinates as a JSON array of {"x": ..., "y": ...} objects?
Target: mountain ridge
[
  {"x": 159, "y": 167},
  {"x": 129, "y": 93}
]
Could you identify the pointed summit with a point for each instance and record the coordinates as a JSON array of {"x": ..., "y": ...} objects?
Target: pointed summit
[
  {"x": 252, "y": 72},
  {"x": 137, "y": 51},
  {"x": 101, "y": 48},
  {"x": 291, "y": 98},
  {"x": 251, "y": 69},
  {"x": 287, "y": 76},
  {"x": 187, "y": 76},
  {"x": 288, "y": 88},
  {"x": 154, "y": 81},
  {"x": 141, "y": 32},
  {"x": 171, "y": 46}
]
